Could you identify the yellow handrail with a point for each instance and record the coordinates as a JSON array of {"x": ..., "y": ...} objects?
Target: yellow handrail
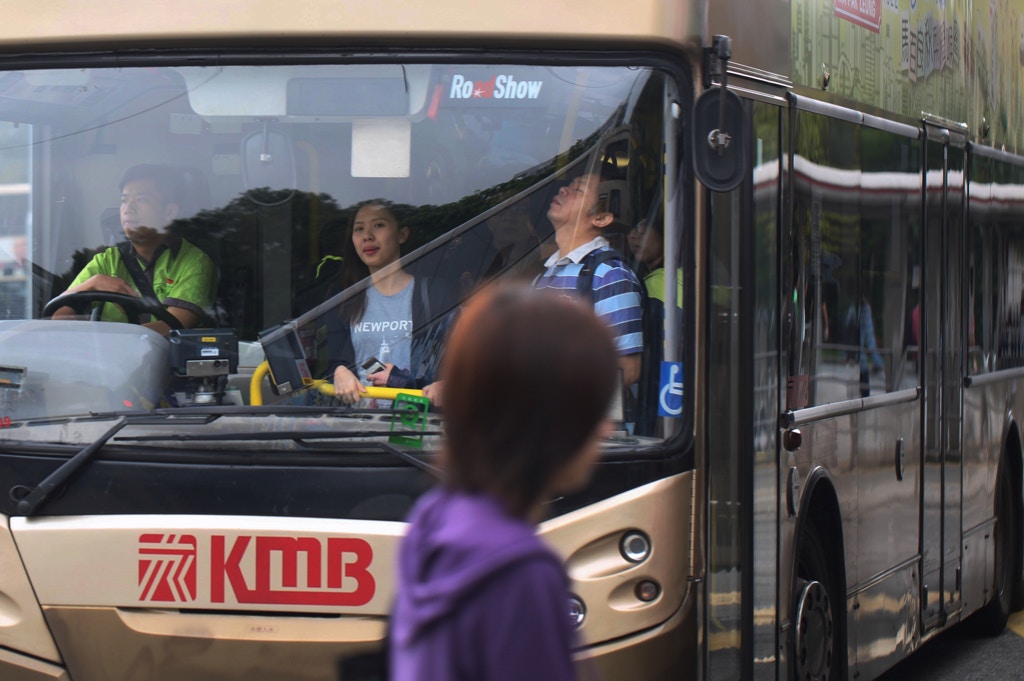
[
  {"x": 324, "y": 386},
  {"x": 373, "y": 391},
  {"x": 256, "y": 384}
]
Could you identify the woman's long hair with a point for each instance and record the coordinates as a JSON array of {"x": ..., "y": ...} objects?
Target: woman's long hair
[{"x": 353, "y": 269}]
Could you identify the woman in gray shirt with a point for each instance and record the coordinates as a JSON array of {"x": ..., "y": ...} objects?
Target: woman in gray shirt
[{"x": 396, "y": 319}]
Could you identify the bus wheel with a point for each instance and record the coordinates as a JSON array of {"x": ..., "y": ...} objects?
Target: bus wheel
[
  {"x": 992, "y": 620},
  {"x": 816, "y": 640}
]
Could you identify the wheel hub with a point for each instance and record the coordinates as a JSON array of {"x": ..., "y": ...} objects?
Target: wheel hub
[{"x": 814, "y": 626}]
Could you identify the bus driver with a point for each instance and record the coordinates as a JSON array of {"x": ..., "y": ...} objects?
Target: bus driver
[{"x": 179, "y": 275}]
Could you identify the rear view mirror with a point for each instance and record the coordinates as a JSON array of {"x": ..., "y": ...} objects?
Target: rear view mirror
[
  {"x": 268, "y": 160},
  {"x": 719, "y": 139}
]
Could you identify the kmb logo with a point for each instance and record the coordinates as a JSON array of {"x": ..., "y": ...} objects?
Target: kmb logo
[
  {"x": 167, "y": 567},
  {"x": 258, "y": 570}
]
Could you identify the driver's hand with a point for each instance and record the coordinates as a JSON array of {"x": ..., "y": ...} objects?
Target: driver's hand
[
  {"x": 346, "y": 385},
  {"x": 97, "y": 282},
  {"x": 105, "y": 282}
]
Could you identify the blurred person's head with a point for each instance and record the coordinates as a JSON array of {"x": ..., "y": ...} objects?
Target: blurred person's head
[
  {"x": 528, "y": 378},
  {"x": 647, "y": 244}
]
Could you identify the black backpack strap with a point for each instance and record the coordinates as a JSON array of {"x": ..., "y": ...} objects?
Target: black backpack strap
[
  {"x": 643, "y": 409},
  {"x": 591, "y": 261}
]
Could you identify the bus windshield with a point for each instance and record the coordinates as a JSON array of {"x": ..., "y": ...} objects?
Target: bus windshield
[{"x": 171, "y": 230}]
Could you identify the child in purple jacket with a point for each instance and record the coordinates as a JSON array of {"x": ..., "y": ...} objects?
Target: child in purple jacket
[{"x": 528, "y": 380}]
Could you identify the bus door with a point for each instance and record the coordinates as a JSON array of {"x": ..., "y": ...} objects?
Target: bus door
[{"x": 941, "y": 322}]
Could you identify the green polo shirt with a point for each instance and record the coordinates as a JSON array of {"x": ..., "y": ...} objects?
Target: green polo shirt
[{"x": 182, "y": 276}]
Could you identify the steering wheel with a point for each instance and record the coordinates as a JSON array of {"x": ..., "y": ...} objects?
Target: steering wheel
[{"x": 134, "y": 308}]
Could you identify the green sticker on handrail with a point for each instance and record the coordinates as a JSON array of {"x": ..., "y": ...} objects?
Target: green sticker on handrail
[{"x": 410, "y": 415}]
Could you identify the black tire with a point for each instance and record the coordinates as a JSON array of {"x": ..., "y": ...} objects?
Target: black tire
[
  {"x": 992, "y": 619},
  {"x": 818, "y": 641},
  {"x": 1017, "y": 603}
]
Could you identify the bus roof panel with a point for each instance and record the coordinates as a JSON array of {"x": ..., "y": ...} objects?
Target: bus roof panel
[{"x": 29, "y": 26}]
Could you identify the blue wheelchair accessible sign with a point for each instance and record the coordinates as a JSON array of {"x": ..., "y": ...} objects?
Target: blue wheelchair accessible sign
[{"x": 670, "y": 393}]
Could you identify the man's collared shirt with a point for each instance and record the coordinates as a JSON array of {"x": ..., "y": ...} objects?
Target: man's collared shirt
[{"x": 616, "y": 292}]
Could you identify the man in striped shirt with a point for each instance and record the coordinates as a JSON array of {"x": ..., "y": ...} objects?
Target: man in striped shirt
[{"x": 578, "y": 214}]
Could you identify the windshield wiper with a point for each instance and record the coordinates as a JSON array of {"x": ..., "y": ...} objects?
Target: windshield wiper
[
  {"x": 305, "y": 439},
  {"x": 438, "y": 473},
  {"x": 298, "y": 436},
  {"x": 29, "y": 500},
  {"x": 28, "y": 503}
]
